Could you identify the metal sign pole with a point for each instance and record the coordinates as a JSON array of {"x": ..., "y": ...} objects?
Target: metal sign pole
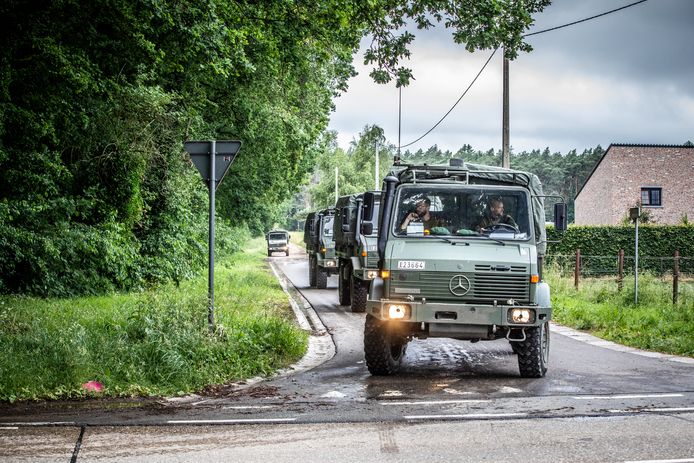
[
  {"x": 213, "y": 166},
  {"x": 210, "y": 272}
]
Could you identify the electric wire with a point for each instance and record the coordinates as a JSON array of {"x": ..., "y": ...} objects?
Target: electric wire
[
  {"x": 487, "y": 62},
  {"x": 584, "y": 19},
  {"x": 454, "y": 104}
]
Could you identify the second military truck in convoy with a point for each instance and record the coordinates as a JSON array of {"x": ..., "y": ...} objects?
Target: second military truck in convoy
[
  {"x": 460, "y": 256},
  {"x": 320, "y": 247},
  {"x": 356, "y": 248}
]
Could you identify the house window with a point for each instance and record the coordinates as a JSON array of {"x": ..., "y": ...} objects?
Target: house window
[{"x": 651, "y": 196}]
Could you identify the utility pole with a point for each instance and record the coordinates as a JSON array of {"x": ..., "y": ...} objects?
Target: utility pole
[
  {"x": 397, "y": 157},
  {"x": 336, "y": 179},
  {"x": 376, "y": 169},
  {"x": 505, "y": 149}
]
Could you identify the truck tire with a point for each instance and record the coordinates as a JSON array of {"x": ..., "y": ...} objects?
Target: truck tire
[
  {"x": 312, "y": 271},
  {"x": 359, "y": 291},
  {"x": 383, "y": 354},
  {"x": 287, "y": 253},
  {"x": 269, "y": 253},
  {"x": 343, "y": 283},
  {"x": 321, "y": 277},
  {"x": 533, "y": 353}
]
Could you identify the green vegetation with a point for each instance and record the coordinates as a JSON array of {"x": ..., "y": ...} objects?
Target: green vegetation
[
  {"x": 96, "y": 99},
  {"x": 654, "y": 240},
  {"x": 654, "y": 324},
  {"x": 153, "y": 343}
]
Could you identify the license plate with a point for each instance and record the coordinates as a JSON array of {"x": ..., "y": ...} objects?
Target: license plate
[{"x": 411, "y": 265}]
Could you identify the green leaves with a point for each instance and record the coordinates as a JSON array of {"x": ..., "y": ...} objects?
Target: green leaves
[{"x": 477, "y": 24}]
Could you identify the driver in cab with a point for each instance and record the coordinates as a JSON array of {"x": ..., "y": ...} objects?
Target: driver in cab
[
  {"x": 421, "y": 214},
  {"x": 495, "y": 216}
]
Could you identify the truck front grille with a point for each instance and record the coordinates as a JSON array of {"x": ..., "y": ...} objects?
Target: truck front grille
[{"x": 486, "y": 287}]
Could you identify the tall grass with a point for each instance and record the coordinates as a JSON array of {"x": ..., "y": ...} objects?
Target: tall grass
[
  {"x": 653, "y": 324},
  {"x": 152, "y": 343}
]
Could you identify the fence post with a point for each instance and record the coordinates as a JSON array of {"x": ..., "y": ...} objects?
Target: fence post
[
  {"x": 620, "y": 270},
  {"x": 676, "y": 278},
  {"x": 577, "y": 268}
]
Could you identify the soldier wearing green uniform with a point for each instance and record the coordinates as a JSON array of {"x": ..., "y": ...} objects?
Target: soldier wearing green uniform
[
  {"x": 422, "y": 214},
  {"x": 495, "y": 216}
]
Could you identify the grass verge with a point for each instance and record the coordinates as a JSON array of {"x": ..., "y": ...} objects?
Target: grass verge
[
  {"x": 654, "y": 324},
  {"x": 154, "y": 343}
]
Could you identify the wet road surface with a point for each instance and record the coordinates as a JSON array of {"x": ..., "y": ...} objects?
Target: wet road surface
[{"x": 444, "y": 387}]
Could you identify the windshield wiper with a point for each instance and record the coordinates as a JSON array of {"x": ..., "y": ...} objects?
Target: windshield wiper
[
  {"x": 465, "y": 243},
  {"x": 490, "y": 238}
]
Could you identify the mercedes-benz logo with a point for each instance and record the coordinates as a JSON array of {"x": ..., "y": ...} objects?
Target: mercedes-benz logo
[{"x": 459, "y": 285}]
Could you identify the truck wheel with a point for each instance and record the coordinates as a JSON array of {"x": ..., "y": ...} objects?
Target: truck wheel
[
  {"x": 383, "y": 354},
  {"x": 312, "y": 271},
  {"x": 343, "y": 283},
  {"x": 533, "y": 353},
  {"x": 321, "y": 277},
  {"x": 359, "y": 291},
  {"x": 287, "y": 253},
  {"x": 269, "y": 253},
  {"x": 514, "y": 347}
]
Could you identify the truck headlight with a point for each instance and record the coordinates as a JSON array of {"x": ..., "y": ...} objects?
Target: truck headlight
[
  {"x": 398, "y": 311},
  {"x": 521, "y": 316},
  {"x": 371, "y": 274}
]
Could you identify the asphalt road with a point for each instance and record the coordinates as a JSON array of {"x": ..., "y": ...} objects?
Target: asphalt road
[{"x": 452, "y": 401}]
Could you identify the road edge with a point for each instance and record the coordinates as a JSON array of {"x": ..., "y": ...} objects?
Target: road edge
[{"x": 588, "y": 338}]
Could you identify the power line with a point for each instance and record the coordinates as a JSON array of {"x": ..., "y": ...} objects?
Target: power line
[
  {"x": 584, "y": 19},
  {"x": 454, "y": 104},
  {"x": 490, "y": 58}
]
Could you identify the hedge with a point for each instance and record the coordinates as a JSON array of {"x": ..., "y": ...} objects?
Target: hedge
[{"x": 655, "y": 241}]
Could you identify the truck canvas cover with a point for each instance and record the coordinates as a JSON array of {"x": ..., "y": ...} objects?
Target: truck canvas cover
[{"x": 341, "y": 238}]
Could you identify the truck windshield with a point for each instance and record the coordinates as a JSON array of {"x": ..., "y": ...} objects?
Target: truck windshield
[
  {"x": 278, "y": 236},
  {"x": 477, "y": 212}
]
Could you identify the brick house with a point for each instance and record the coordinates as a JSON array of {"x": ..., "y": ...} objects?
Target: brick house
[{"x": 658, "y": 176}]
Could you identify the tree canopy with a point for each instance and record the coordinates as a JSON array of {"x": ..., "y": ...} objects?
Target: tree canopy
[{"x": 97, "y": 97}]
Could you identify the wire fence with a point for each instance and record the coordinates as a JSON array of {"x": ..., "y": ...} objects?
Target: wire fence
[
  {"x": 676, "y": 270},
  {"x": 600, "y": 266}
]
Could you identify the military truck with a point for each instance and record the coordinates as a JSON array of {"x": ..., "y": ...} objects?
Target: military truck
[
  {"x": 320, "y": 247},
  {"x": 460, "y": 271},
  {"x": 356, "y": 252},
  {"x": 277, "y": 241}
]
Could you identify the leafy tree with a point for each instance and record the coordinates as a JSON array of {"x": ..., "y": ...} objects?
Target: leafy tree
[{"x": 97, "y": 97}]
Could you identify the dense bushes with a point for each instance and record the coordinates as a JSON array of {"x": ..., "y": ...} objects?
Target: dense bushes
[
  {"x": 96, "y": 193},
  {"x": 654, "y": 240}
]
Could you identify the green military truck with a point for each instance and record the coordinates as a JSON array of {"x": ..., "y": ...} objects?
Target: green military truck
[
  {"x": 320, "y": 247},
  {"x": 356, "y": 251},
  {"x": 277, "y": 241},
  {"x": 450, "y": 266}
]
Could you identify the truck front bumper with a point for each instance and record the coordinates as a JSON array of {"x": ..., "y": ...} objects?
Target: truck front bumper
[{"x": 458, "y": 314}]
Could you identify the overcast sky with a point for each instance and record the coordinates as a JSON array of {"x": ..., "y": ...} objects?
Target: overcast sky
[{"x": 627, "y": 77}]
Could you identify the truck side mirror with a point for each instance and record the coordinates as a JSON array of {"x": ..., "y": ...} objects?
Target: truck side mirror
[
  {"x": 560, "y": 218},
  {"x": 344, "y": 214},
  {"x": 367, "y": 228},
  {"x": 369, "y": 202}
]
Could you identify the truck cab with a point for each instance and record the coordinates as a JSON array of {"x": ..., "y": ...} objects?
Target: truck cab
[
  {"x": 277, "y": 241},
  {"x": 356, "y": 243},
  {"x": 320, "y": 247},
  {"x": 460, "y": 255}
]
